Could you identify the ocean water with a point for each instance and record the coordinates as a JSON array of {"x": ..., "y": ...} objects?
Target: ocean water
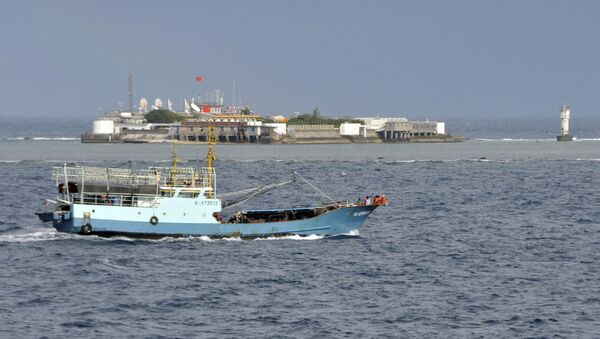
[{"x": 493, "y": 237}]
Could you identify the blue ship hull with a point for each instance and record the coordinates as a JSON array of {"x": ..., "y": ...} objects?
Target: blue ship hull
[{"x": 340, "y": 220}]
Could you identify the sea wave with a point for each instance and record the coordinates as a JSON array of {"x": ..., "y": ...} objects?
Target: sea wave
[
  {"x": 42, "y": 139},
  {"x": 353, "y": 233},
  {"x": 292, "y": 237},
  {"x": 35, "y": 235},
  {"x": 482, "y": 159},
  {"x": 228, "y": 239},
  {"x": 70, "y": 162},
  {"x": 115, "y": 262},
  {"x": 513, "y": 140}
]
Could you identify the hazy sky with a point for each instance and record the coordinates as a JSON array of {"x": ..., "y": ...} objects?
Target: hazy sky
[{"x": 435, "y": 59}]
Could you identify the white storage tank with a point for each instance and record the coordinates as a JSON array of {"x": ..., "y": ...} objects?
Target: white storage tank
[{"x": 104, "y": 127}]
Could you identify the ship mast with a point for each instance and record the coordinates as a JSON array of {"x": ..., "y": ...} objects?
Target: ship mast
[
  {"x": 210, "y": 157},
  {"x": 174, "y": 161}
]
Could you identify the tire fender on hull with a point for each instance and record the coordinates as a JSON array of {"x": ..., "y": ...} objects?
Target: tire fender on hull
[{"x": 86, "y": 229}]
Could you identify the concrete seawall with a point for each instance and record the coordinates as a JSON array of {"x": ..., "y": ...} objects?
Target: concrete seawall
[
  {"x": 124, "y": 138},
  {"x": 298, "y": 137}
]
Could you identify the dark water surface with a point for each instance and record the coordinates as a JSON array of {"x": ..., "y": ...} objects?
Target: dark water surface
[{"x": 505, "y": 246}]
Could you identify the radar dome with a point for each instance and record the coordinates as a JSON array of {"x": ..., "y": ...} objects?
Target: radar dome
[{"x": 144, "y": 105}]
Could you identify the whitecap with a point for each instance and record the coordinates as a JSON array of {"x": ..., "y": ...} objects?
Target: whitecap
[
  {"x": 293, "y": 237},
  {"x": 232, "y": 239},
  {"x": 42, "y": 139},
  {"x": 110, "y": 262},
  {"x": 55, "y": 139},
  {"x": 512, "y": 140},
  {"x": 35, "y": 235},
  {"x": 184, "y": 239},
  {"x": 115, "y": 238}
]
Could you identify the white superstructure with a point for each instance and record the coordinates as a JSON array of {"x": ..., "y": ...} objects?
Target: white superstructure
[{"x": 565, "y": 116}]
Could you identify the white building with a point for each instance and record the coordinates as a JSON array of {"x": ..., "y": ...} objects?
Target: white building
[
  {"x": 353, "y": 129},
  {"x": 413, "y": 129}
]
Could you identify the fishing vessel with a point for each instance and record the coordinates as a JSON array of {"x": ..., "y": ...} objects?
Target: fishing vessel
[{"x": 182, "y": 201}]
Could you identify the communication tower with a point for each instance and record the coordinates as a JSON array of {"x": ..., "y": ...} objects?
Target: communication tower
[{"x": 130, "y": 91}]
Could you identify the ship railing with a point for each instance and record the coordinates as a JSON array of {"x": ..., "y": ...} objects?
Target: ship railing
[
  {"x": 106, "y": 176},
  {"x": 128, "y": 200},
  {"x": 158, "y": 176},
  {"x": 187, "y": 177}
]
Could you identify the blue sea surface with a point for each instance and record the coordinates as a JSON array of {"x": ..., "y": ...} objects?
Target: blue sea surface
[{"x": 493, "y": 237}]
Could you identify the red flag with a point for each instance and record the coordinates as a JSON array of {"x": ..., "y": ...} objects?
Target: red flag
[{"x": 199, "y": 78}]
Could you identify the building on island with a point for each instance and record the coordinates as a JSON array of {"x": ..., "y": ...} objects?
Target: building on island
[
  {"x": 249, "y": 128},
  {"x": 226, "y": 130},
  {"x": 409, "y": 130},
  {"x": 238, "y": 124}
]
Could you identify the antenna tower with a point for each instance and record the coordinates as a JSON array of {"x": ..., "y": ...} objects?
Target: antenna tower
[{"x": 130, "y": 91}]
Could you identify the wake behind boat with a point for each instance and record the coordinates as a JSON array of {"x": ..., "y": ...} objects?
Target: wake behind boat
[{"x": 173, "y": 202}]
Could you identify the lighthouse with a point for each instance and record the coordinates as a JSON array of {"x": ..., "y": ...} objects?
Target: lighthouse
[{"x": 565, "y": 115}]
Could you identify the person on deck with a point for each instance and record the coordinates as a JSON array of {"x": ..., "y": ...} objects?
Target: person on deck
[{"x": 367, "y": 200}]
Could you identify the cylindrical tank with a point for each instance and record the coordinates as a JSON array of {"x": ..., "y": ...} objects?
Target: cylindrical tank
[{"x": 104, "y": 126}]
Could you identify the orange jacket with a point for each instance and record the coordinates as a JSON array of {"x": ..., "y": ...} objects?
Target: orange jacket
[{"x": 384, "y": 201}]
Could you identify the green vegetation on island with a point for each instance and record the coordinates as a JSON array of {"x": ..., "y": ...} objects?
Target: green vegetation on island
[
  {"x": 163, "y": 116},
  {"x": 316, "y": 119}
]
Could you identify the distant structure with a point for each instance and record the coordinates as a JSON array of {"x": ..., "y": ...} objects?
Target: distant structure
[
  {"x": 130, "y": 91},
  {"x": 143, "y": 105},
  {"x": 239, "y": 124},
  {"x": 565, "y": 115},
  {"x": 158, "y": 104}
]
